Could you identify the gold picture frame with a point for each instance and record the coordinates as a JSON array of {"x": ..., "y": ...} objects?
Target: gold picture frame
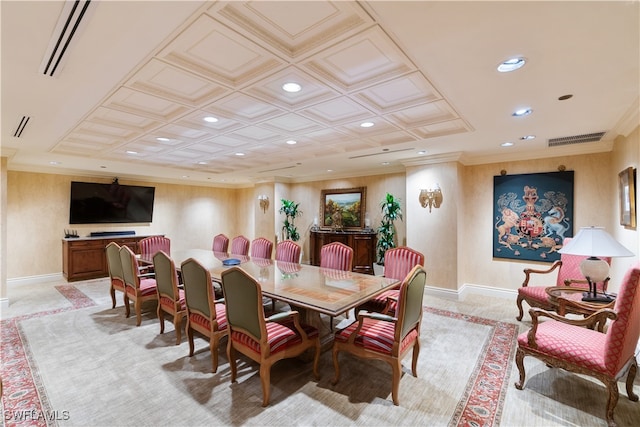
[
  {"x": 344, "y": 208},
  {"x": 627, "y": 188}
]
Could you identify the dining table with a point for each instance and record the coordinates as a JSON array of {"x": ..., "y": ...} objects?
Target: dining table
[{"x": 308, "y": 289}]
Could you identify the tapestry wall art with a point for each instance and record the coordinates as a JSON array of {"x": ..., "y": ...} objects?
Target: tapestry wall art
[{"x": 533, "y": 213}]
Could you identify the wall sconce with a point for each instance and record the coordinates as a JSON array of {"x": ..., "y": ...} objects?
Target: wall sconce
[
  {"x": 264, "y": 202},
  {"x": 431, "y": 197}
]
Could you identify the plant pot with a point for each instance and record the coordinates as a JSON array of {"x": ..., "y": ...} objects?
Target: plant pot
[{"x": 378, "y": 269}]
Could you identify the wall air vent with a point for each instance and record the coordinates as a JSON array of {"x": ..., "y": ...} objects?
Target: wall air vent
[
  {"x": 68, "y": 26},
  {"x": 576, "y": 139},
  {"x": 23, "y": 124}
]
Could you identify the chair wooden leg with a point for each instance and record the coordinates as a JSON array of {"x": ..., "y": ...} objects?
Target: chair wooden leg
[
  {"x": 631, "y": 376},
  {"x": 612, "y": 388},
  {"x": 190, "y": 337},
  {"x": 127, "y": 308},
  {"x": 213, "y": 348},
  {"x": 112, "y": 291},
  {"x": 265, "y": 380},
  {"x": 520, "y": 310},
  {"x": 231, "y": 355},
  {"x": 160, "y": 313},
  {"x": 396, "y": 367},
  {"x": 520, "y": 365},
  {"x": 138, "y": 307},
  {"x": 177, "y": 324},
  {"x": 414, "y": 361},
  {"x": 336, "y": 366}
]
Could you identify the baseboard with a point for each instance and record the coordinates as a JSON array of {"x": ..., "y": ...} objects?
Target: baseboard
[
  {"x": 441, "y": 293},
  {"x": 30, "y": 280},
  {"x": 4, "y": 304},
  {"x": 469, "y": 288}
]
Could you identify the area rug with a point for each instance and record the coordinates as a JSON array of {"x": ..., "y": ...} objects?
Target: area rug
[{"x": 87, "y": 365}]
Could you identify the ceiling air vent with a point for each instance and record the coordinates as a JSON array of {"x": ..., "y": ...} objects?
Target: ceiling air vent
[
  {"x": 67, "y": 27},
  {"x": 576, "y": 139},
  {"x": 23, "y": 124}
]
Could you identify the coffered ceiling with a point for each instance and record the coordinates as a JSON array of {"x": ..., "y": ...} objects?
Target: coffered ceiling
[{"x": 136, "y": 82}]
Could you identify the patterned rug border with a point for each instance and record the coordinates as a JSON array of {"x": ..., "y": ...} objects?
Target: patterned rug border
[{"x": 24, "y": 398}]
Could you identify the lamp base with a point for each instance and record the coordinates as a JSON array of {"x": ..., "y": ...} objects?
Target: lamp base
[{"x": 589, "y": 297}]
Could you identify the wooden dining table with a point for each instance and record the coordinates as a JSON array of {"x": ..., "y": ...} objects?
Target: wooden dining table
[{"x": 308, "y": 289}]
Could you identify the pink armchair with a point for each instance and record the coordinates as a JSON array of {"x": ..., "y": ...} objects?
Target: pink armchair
[
  {"x": 567, "y": 344},
  {"x": 288, "y": 251},
  {"x": 240, "y": 246},
  {"x": 337, "y": 256},
  {"x": 220, "y": 243},
  {"x": 261, "y": 248},
  {"x": 152, "y": 244}
]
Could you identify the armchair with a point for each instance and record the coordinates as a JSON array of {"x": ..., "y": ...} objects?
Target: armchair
[
  {"x": 138, "y": 287},
  {"x": 220, "y": 243},
  {"x": 115, "y": 271},
  {"x": 261, "y": 248},
  {"x": 398, "y": 262},
  {"x": 567, "y": 344},
  {"x": 170, "y": 297},
  {"x": 264, "y": 340},
  {"x": 152, "y": 244},
  {"x": 383, "y": 337},
  {"x": 240, "y": 246},
  {"x": 204, "y": 314},
  {"x": 337, "y": 256},
  {"x": 568, "y": 275},
  {"x": 288, "y": 251}
]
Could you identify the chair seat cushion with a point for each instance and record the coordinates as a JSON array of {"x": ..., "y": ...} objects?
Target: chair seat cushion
[
  {"x": 221, "y": 318},
  {"x": 281, "y": 336},
  {"x": 166, "y": 301},
  {"x": 537, "y": 293},
  {"x": 579, "y": 346},
  {"x": 379, "y": 302},
  {"x": 376, "y": 335},
  {"x": 117, "y": 283}
]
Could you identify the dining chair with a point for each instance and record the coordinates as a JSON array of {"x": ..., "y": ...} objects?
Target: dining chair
[
  {"x": 115, "y": 271},
  {"x": 152, "y": 244},
  {"x": 567, "y": 344},
  {"x": 139, "y": 287},
  {"x": 239, "y": 246},
  {"x": 261, "y": 248},
  {"x": 336, "y": 256},
  {"x": 568, "y": 274},
  {"x": 382, "y": 337},
  {"x": 220, "y": 243},
  {"x": 205, "y": 315},
  {"x": 398, "y": 262},
  {"x": 263, "y": 340},
  {"x": 170, "y": 296},
  {"x": 288, "y": 251}
]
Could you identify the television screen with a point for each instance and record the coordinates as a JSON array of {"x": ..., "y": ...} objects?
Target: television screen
[{"x": 93, "y": 203}]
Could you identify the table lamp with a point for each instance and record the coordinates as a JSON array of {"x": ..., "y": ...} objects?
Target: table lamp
[{"x": 594, "y": 242}]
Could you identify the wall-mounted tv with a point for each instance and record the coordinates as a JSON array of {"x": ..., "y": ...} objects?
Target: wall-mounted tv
[{"x": 95, "y": 203}]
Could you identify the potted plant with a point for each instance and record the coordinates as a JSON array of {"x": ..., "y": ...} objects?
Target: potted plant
[
  {"x": 391, "y": 211},
  {"x": 291, "y": 211}
]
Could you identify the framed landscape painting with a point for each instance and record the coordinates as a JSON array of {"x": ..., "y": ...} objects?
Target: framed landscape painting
[{"x": 343, "y": 208}]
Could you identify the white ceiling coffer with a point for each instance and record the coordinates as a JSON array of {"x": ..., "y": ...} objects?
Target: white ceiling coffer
[
  {"x": 576, "y": 139},
  {"x": 21, "y": 126},
  {"x": 68, "y": 25}
]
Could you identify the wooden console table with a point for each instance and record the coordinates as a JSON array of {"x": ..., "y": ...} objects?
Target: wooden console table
[
  {"x": 85, "y": 258},
  {"x": 363, "y": 244}
]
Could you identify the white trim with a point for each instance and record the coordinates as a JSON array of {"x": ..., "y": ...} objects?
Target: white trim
[
  {"x": 4, "y": 304},
  {"x": 30, "y": 280},
  {"x": 441, "y": 293},
  {"x": 490, "y": 291}
]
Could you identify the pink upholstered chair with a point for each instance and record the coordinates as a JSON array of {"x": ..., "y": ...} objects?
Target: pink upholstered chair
[
  {"x": 115, "y": 271},
  {"x": 567, "y": 344},
  {"x": 264, "y": 340},
  {"x": 138, "y": 287},
  {"x": 170, "y": 297},
  {"x": 337, "y": 256},
  {"x": 152, "y": 244},
  {"x": 239, "y": 246},
  {"x": 568, "y": 275},
  {"x": 398, "y": 262},
  {"x": 288, "y": 251},
  {"x": 204, "y": 314},
  {"x": 383, "y": 337},
  {"x": 261, "y": 248},
  {"x": 220, "y": 243}
]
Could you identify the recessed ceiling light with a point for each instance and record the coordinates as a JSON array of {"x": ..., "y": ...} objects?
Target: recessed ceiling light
[
  {"x": 54, "y": 163},
  {"x": 366, "y": 124},
  {"x": 163, "y": 139},
  {"x": 210, "y": 119},
  {"x": 506, "y": 144},
  {"x": 291, "y": 87},
  {"x": 292, "y": 142},
  {"x": 511, "y": 64},
  {"x": 185, "y": 176},
  {"x": 522, "y": 112},
  {"x": 131, "y": 152},
  {"x": 329, "y": 170},
  {"x": 202, "y": 163},
  {"x": 422, "y": 152},
  {"x": 527, "y": 137},
  {"x": 239, "y": 154},
  {"x": 385, "y": 163}
]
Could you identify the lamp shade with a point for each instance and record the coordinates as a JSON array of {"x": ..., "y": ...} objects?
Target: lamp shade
[{"x": 595, "y": 241}]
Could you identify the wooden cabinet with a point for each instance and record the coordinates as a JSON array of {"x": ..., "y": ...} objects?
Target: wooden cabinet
[
  {"x": 363, "y": 244},
  {"x": 85, "y": 258}
]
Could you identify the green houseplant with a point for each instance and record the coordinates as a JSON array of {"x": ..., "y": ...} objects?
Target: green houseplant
[
  {"x": 291, "y": 211},
  {"x": 391, "y": 211}
]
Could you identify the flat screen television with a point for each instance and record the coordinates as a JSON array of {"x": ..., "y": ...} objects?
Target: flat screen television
[{"x": 95, "y": 203}]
